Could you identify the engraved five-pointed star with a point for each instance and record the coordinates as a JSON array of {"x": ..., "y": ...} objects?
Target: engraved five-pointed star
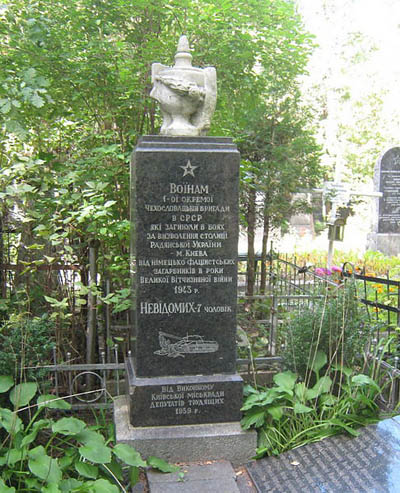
[{"x": 188, "y": 169}]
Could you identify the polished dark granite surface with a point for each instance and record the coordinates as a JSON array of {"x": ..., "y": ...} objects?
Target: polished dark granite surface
[
  {"x": 185, "y": 232},
  {"x": 369, "y": 463}
]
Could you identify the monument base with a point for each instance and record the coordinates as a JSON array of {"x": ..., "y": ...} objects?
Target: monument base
[
  {"x": 185, "y": 443},
  {"x": 386, "y": 243},
  {"x": 183, "y": 400}
]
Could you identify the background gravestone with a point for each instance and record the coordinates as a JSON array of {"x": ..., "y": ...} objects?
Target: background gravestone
[{"x": 386, "y": 228}]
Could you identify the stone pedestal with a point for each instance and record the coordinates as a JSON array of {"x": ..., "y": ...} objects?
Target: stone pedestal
[
  {"x": 186, "y": 443},
  {"x": 190, "y": 399},
  {"x": 185, "y": 233},
  {"x": 387, "y": 243}
]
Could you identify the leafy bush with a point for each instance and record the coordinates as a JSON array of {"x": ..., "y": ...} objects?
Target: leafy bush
[
  {"x": 335, "y": 324},
  {"x": 290, "y": 414},
  {"x": 64, "y": 455},
  {"x": 252, "y": 334},
  {"x": 24, "y": 343}
]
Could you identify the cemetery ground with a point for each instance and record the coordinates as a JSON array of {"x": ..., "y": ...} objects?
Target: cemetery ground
[{"x": 319, "y": 352}]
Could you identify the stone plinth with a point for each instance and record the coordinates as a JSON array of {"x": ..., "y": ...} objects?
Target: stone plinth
[
  {"x": 163, "y": 401},
  {"x": 388, "y": 244},
  {"x": 186, "y": 443}
]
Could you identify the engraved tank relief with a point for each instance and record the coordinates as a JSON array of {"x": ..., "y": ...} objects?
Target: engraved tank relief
[{"x": 174, "y": 347}]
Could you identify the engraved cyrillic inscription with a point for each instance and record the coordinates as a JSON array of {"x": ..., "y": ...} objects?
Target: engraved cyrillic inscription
[
  {"x": 389, "y": 203},
  {"x": 186, "y": 254},
  {"x": 187, "y": 399}
]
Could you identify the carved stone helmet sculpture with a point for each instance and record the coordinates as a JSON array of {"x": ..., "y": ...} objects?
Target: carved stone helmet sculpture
[{"x": 187, "y": 95}]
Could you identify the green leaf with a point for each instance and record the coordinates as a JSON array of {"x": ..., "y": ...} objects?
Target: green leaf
[
  {"x": 134, "y": 475},
  {"x": 328, "y": 400},
  {"x": 37, "y": 100},
  {"x": 10, "y": 421},
  {"x": 6, "y": 382},
  {"x": 33, "y": 484},
  {"x": 52, "y": 402},
  {"x": 5, "y": 489},
  {"x": 161, "y": 464},
  {"x": 286, "y": 380},
  {"x": 301, "y": 408},
  {"x": 300, "y": 390},
  {"x": 349, "y": 430},
  {"x": 254, "y": 400},
  {"x": 109, "y": 203},
  {"x": 255, "y": 417},
  {"x": 311, "y": 394},
  {"x": 90, "y": 437},
  {"x": 87, "y": 470},
  {"x": 362, "y": 379},
  {"x": 29, "y": 75},
  {"x": 95, "y": 452},
  {"x": 116, "y": 469},
  {"x": 22, "y": 394},
  {"x": 129, "y": 455},
  {"x": 15, "y": 455},
  {"x": 320, "y": 360},
  {"x": 38, "y": 425},
  {"x": 323, "y": 385},
  {"x": 104, "y": 486},
  {"x": 50, "y": 488},
  {"x": 50, "y": 300},
  {"x": 68, "y": 426},
  {"x": 5, "y": 106},
  {"x": 343, "y": 369},
  {"x": 43, "y": 466},
  {"x": 13, "y": 126},
  {"x": 65, "y": 461},
  {"x": 276, "y": 412},
  {"x": 68, "y": 485}
]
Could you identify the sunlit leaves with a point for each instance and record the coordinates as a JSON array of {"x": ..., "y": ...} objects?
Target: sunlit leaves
[
  {"x": 68, "y": 426},
  {"x": 6, "y": 382},
  {"x": 79, "y": 97},
  {"x": 43, "y": 466},
  {"x": 161, "y": 464},
  {"x": 22, "y": 393},
  {"x": 129, "y": 455}
]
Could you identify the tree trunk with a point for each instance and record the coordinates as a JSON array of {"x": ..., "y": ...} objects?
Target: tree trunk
[
  {"x": 92, "y": 300},
  {"x": 263, "y": 280},
  {"x": 251, "y": 229},
  {"x": 3, "y": 272}
]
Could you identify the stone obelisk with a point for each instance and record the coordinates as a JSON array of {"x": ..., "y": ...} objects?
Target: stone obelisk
[{"x": 184, "y": 395}]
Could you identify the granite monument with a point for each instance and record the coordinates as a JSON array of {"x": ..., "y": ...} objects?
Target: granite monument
[{"x": 184, "y": 200}]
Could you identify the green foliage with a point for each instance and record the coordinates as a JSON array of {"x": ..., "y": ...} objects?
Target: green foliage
[
  {"x": 24, "y": 343},
  {"x": 280, "y": 157},
  {"x": 74, "y": 101},
  {"x": 61, "y": 455},
  {"x": 252, "y": 334},
  {"x": 291, "y": 414},
  {"x": 336, "y": 324}
]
